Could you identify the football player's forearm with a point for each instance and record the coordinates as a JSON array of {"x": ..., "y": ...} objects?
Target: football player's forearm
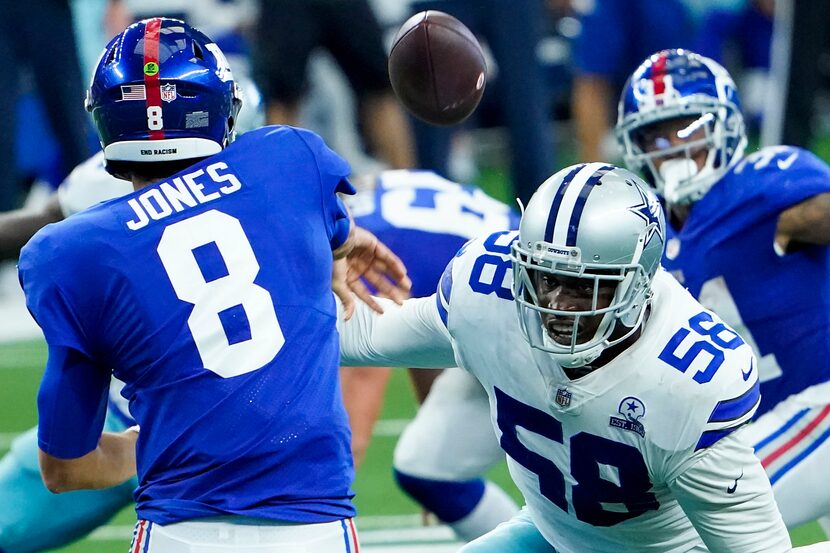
[
  {"x": 404, "y": 336},
  {"x": 18, "y": 226},
  {"x": 807, "y": 222},
  {"x": 110, "y": 464}
]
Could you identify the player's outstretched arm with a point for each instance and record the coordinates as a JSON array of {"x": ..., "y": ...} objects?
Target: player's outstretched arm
[
  {"x": 727, "y": 496},
  {"x": 74, "y": 453},
  {"x": 19, "y": 225},
  {"x": 364, "y": 256},
  {"x": 409, "y": 335}
]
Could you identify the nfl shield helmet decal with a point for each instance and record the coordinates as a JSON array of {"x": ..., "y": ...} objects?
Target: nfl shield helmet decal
[
  {"x": 168, "y": 92},
  {"x": 632, "y": 410}
]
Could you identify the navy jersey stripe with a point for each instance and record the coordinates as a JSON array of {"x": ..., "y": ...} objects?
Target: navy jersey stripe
[
  {"x": 735, "y": 408},
  {"x": 710, "y": 437},
  {"x": 442, "y": 298},
  {"x": 557, "y": 201}
]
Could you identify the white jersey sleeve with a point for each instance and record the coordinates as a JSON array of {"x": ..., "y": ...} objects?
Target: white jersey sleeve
[
  {"x": 411, "y": 335},
  {"x": 88, "y": 184},
  {"x": 729, "y": 500}
]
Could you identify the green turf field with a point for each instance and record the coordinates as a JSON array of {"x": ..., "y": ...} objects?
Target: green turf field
[{"x": 378, "y": 499}]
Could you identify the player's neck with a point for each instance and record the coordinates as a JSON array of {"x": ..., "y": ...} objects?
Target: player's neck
[{"x": 142, "y": 182}]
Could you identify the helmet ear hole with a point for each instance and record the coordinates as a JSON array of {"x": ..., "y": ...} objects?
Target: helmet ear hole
[
  {"x": 110, "y": 56},
  {"x": 231, "y": 129},
  {"x": 197, "y": 51}
]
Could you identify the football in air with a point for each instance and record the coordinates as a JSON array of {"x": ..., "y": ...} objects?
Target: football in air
[{"x": 437, "y": 68}]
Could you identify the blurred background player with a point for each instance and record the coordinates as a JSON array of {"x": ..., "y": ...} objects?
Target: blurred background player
[
  {"x": 288, "y": 31},
  {"x": 517, "y": 91},
  {"x": 583, "y": 330},
  {"x": 748, "y": 237},
  {"x": 797, "y": 89},
  {"x": 614, "y": 37},
  {"x": 43, "y": 91},
  {"x": 442, "y": 455},
  {"x": 221, "y": 352}
]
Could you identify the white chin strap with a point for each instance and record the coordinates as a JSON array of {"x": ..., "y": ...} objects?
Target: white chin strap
[{"x": 677, "y": 174}]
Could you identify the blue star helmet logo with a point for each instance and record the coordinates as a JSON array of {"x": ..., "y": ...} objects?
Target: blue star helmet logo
[{"x": 648, "y": 210}]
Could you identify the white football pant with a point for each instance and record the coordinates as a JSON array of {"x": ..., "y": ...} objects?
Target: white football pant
[{"x": 223, "y": 537}]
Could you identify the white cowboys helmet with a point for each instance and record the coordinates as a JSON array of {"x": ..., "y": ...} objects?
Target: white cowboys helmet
[{"x": 593, "y": 221}]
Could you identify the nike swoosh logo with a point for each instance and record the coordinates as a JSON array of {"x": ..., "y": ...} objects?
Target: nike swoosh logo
[
  {"x": 731, "y": 489},
  {"x": 746, "y": 374},
  {"x": 784, "y": 164}
]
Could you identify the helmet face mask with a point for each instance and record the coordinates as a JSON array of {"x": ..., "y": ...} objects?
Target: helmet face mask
[
  {"x": 682, "y": 85},
  {"x": 162, "y": 92},
  {"x": 580, "y": 288}
]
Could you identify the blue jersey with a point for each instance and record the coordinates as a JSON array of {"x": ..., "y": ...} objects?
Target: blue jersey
[
  {"x": 425, "y": 219},
  {"x": 209, "y": 295},
  {"x": 725, "y": 256}
]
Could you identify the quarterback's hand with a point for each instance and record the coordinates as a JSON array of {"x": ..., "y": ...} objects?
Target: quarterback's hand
[{"x": 366, "y": 257}]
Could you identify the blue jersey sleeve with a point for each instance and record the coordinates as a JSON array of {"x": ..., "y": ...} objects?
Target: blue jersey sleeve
[
  {"x": 73, "y": 394},
  {"x": 342, "y": 225},
  {"x": 794, "y": 175},
  {"x": 72, "y": 404},
  {"x": 753, "y": 195},
  {"x": 334, "y": 172},
  {"x": 47, "y": 301}
]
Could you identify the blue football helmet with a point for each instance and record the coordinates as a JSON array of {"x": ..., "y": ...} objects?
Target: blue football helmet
[
  {"x": 162, "y": 92},
  {"x": 680, "y": 84}
]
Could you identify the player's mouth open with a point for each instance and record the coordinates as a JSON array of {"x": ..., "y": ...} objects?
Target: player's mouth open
[{"x": 559, "y": 330}]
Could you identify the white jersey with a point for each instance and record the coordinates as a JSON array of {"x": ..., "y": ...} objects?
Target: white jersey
[
  {"x": 639, "y": 455},
  {"x": 88, "y": 184}
]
